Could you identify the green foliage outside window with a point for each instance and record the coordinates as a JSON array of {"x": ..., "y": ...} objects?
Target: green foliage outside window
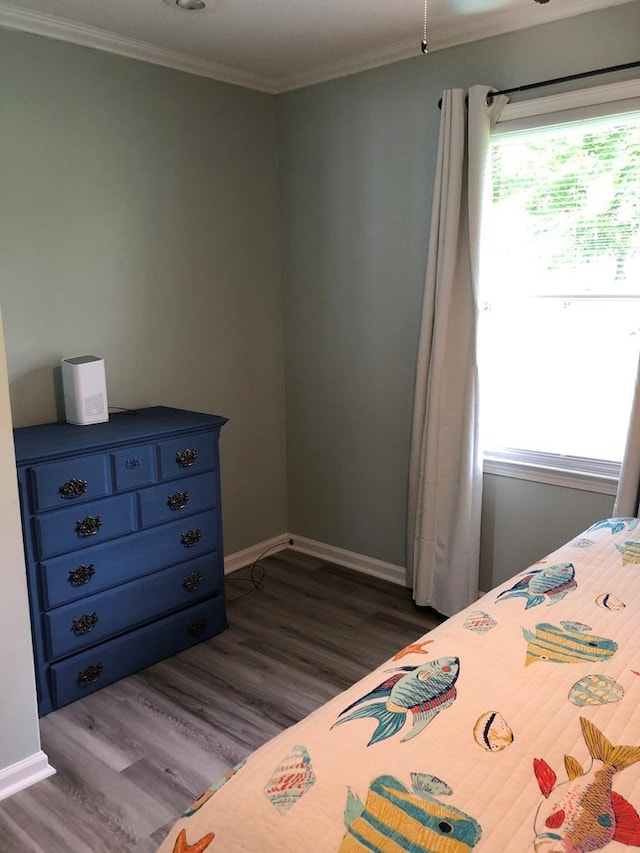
[{"x": 577, "y": 192}]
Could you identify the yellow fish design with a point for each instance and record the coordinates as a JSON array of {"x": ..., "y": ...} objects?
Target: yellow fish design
[
  {"x": 630, "y": 552},
  {"x": 553, "y": 644},
  {"x": 394, "y": 818}
]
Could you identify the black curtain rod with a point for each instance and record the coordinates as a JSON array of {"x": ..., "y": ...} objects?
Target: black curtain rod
[{"x": 527, "y": 87}]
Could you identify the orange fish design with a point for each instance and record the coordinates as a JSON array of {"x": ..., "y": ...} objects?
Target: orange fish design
[{"x": 585, "y": 814}]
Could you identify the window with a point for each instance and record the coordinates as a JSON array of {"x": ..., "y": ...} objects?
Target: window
[{"x": 560, "y": 295}]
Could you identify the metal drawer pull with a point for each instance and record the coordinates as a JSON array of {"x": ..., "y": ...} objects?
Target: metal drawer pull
[
  {"x": 185, "y": 458},
  {"x": 89, "y": 525},
  {"x": 81, "y": 575},
  {"x": 191, "y": 537},
  {"x": 74, "y": 488},
  {"x": 192, "y": 581},
  {"x": 90, "y": 674},
  {"x": 84, "y": 624},
  {"x": 178, "y": 500},
  {"x": 196, "y": 626}
]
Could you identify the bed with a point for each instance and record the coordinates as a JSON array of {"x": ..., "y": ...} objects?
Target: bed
[{"x": 513, "y": 726}]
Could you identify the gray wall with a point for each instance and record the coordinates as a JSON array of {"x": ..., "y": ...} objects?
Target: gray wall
[
  {"x": 523, "y": 521},
  {"x": 139, "y": 221},
  {"x": 357, "y": 159}
]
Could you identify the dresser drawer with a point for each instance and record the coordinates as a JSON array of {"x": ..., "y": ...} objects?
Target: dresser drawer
[
  {"x": 92, "y": 669},
  {"x": 58, "y": 484},
  {"x": 73, "y": 576},
  {"x": 84, "y": 525},
  {"x": 98, "y": 617},
  {"x": 169, "y": 501},
  {"x": 134, "y": 467},
  {"x": 187, "y": 455}
]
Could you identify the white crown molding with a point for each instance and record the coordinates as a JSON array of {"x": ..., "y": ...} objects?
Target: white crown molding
[
  {"x": 62, "y": 29},
  {"x": 499, "y": 22},
  {"x": 24, "y": 773},
  {"x": 461, "y": 31},
  {"x": 362, "y": 62}
]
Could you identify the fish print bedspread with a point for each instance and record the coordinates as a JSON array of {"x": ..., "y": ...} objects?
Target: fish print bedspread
[{"x": 514, "y": 726}]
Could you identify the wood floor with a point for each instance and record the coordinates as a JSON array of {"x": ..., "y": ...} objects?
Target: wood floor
[{"x": 131, "y": 757}]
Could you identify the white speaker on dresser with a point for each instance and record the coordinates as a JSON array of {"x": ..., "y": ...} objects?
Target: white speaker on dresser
[{"x": 85, "y": 390}]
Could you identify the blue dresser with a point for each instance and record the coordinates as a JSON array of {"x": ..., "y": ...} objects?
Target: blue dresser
[{"x": 123, "y": 541}]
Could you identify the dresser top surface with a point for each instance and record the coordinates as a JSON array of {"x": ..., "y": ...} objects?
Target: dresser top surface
[{"x": 50, "y": 440}]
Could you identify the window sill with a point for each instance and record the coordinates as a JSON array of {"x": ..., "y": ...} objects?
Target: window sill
[{"x": 523, "y": 466}]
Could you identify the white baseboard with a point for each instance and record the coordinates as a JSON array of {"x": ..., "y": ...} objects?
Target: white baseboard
[
  {"x": 239, "y": 559},
  {"x": 351, "y": 560},
  {"x": 329, "y": 553},
  {"x": 16, "y": 777}
]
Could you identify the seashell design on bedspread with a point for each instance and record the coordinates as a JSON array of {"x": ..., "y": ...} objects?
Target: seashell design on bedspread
[
  {"x": 479, "y": 622},
  {"x": 290, "y": 780},
  {"x": 595, "y": 690},
  {"x": 583, "y": 542},
  {"x": 393, "y": 818},
  {"x": 584, "y": 814},
  {"x": 609, "y": 601},
  {"x": 492, "y": 732}
]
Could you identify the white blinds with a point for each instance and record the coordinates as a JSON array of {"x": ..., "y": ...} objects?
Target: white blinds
[
  {"x": 560, "y": 287},
  {"x": 568, "y": 197}
]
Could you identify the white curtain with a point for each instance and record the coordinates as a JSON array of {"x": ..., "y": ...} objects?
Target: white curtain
[
  {"x": 445, "y": 475},
  {"x": 628, "y": 495}
]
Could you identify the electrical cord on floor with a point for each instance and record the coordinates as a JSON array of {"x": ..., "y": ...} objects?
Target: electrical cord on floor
[{"x": 257, "y": 573}]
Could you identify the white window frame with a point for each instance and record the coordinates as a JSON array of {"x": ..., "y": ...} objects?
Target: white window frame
[{"x": 573, "y": 472}]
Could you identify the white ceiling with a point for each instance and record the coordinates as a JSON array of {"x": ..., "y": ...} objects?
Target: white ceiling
[{"x": 277, "y": 45}]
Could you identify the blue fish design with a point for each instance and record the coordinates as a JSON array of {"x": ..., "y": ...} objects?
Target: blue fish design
[
  {"x": 614, "y": 524},
  {"x": 422, "y": 690},
  {"x": 552, "y": 583},
  {"x": 552, "y": 644}
]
